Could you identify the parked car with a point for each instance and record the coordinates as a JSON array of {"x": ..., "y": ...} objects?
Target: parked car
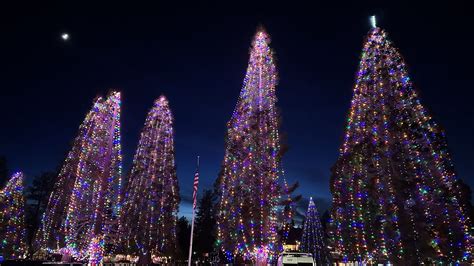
[{"x": 295, "y": 258}]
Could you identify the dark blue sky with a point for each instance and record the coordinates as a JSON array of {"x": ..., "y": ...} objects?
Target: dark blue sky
[{"x": 197, "y": 56}]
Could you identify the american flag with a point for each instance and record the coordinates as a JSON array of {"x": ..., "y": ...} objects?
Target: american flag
[{"x": 195, "y": 189}]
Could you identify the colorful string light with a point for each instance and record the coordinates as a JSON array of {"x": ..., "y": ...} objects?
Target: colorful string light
[
  {"x": 12, "y": 219},
  {"x": 396, "y": 197},
  {"x": 84, "y": 201},
  {"x": 250, "y": 191},
  {"x": 312, "y": 240},
  {"x": 149, "y": 217},
  {"x": 95, "y": 250}
]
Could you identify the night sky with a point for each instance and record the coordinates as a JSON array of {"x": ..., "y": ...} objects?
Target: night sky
[{"x": 197, "y": 55}]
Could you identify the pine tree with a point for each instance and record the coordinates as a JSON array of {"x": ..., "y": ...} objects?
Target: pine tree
[
  {"x": 12, "y": 219},
  {"x": 312, "y": 240},
  {"x": 183, "y": 231},
  {"x": 396, "y": 196},
  {"x": 148, "y": 222},
  {"x": 205, "y": 224},
  {"x": 82, "y": 206},
  {"x": 37, "y": 200},
  {"x": 3, "y": 170},
  {"x": 250, "y": 192}
]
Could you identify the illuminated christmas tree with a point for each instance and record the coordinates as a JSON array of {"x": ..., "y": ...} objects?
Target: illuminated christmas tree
[
  {"x": 396, "y": 196},
  {"x": 312, "y": 240},
  {"x": 12, "y": 219},
  {"x": 250, "y": 191},
  {"x": 149, "y": 217},
  {"x": 84, "y": 203}
]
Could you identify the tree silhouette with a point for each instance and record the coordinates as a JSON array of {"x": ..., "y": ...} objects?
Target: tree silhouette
[
  {"x": 205, "y": 224},
  {"x": 37, "y": 195},
  {"x": 183, "y": 232},
  {"x": 3, "y": 171}
]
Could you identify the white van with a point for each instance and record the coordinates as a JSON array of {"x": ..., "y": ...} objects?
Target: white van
[{"x": 295, "y": 258}]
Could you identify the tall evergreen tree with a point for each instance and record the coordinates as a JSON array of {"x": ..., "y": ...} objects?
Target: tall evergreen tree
[
  {"x": 82, "y": 206},
  {"x": 396, "y": 196},
  {"x": 37, "y": 199},
  {"x": 250, "y": 191},
  {"x": 183, "y": 231},
  {"x": 148, "y": 221},
  {"x": 205, "y": 224},
  {"x": 3, "y": 171},
  {"x": 312, "y": 240},
  {"x": 12, "y": 218}
]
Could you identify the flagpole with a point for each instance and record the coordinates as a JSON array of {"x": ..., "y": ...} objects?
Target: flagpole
[{"x": 192, "y": 226}]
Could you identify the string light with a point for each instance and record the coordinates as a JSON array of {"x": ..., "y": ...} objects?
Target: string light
[
  {"x": 85, "y": 198},
  {"x": 96, "y": 250},
  {"x": 12, "y": 219},
  {"x": 250, "y": 189},
  {"x": 312, "y": 240},
  {"x": 395, "y": 193},
  {"x": 148, "y": 221}
]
